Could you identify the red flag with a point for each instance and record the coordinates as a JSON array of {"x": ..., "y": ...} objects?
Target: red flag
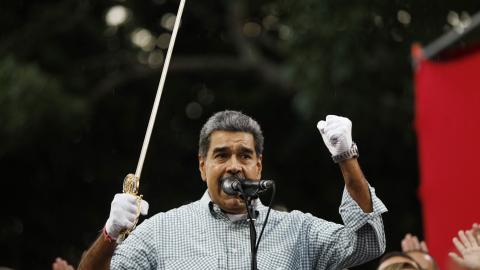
[{"x": 448, "y": 130}]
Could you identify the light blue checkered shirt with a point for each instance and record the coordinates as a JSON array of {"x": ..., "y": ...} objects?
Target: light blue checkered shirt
[{"x": 200, "y": 236}]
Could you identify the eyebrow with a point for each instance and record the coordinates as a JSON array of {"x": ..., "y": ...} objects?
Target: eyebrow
[
  {"x": 245, "y": 150},
  {"x": 242, "y": 150},
  {"x": 220, "y": 150}
]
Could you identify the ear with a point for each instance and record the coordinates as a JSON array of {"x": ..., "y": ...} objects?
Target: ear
[
  {"x": 259, "y": 166},
  {"x": 201, "y": 167}
]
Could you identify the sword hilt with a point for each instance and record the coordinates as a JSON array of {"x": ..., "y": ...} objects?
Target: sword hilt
[{"x": 131, "y": 185}]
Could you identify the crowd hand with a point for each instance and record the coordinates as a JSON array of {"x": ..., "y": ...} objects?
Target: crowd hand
[
  {"x": 124, "y": 213},
  {"x": 476, "y": 232},
  {"x": 336, "y": 132},
  {"x": 411, "y": 243},
  {"x": 61, "y": 264},
  {"x": 469, "y": 250}
]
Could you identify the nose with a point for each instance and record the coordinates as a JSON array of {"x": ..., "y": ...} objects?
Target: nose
[{"x": 234, "y": 167}]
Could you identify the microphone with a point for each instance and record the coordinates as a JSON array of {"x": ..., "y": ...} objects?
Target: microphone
[{"x": 233, "y": 185}]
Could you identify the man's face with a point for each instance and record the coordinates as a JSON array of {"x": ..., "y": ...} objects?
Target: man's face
[{"x": 230, "y": 153}]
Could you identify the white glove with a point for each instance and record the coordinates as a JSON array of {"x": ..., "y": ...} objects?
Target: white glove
[
  {"x": 123, "y": 214},
  {"x": 336, "y": 133}
]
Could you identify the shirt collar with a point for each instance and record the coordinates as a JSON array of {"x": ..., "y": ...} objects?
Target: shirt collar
[{"x": 216, "y": 211}]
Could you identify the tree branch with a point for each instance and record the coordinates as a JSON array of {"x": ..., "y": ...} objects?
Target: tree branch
[{"x": 249, "y": 58}]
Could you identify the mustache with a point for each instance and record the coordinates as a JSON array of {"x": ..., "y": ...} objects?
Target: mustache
[{"x": 231, "y": 178}]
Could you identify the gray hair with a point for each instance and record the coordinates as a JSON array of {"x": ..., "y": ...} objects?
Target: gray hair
[{"x": 230, "y": 121}]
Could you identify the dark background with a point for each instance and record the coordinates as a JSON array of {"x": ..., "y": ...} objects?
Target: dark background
[{"x": 76, "y": 94}]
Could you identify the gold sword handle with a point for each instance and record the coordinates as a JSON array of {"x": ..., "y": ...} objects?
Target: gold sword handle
[{"x": 131, "y": 185}]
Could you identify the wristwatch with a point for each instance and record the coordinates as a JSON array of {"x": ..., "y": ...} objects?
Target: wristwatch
[{"x": 351, "y": 153}]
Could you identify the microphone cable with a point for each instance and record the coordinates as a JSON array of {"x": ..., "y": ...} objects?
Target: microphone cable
[{"x": 272, "y": 197}]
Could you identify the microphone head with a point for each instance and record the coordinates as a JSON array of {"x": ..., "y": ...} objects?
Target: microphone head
[
  {"x": 233, "y": 185},
  {"x": 266, "y": 184},
  {"x": 230, "y": 185},
  {"x": 255, "y": 187}
]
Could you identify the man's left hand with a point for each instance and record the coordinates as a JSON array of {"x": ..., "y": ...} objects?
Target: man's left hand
[{"x": 336, "y": 133}]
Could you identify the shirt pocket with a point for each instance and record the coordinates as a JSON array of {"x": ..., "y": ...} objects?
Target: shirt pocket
[{"x": 189, "y": 263}]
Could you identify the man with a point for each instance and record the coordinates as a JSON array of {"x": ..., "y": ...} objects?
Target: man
[{"x": 213, "y": 232}]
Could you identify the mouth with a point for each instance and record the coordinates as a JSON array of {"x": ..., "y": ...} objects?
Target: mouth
[{"x": 229, "y": 178}]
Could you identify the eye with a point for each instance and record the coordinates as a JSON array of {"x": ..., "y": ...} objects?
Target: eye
[
  {"x": 221, "y": 156},
  {"x": 246, "y": 156}
]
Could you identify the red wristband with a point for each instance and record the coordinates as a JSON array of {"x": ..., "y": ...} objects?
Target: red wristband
[{"x": 106, "y": 236}]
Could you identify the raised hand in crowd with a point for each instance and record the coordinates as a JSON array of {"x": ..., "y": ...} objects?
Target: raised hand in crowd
[
  {"x": 61, "y": 264},
  {"x": 468, "y": 247},
  {"x": 476, "y": 230},
  {"x": 411, "y": 243},
  {"x": 418, "y": 250}
]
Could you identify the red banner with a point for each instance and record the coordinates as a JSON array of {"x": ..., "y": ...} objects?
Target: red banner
[{"x": 448, "y": 130}]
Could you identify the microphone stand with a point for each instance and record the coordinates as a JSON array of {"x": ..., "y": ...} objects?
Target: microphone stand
[
  {"x": 253, "y": 232},
  {"x": 248, "y": 195},
  {"x": 248, "y": 199}
]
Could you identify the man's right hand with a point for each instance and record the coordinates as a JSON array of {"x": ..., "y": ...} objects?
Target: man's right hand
[{"x": 123, "y": 213}]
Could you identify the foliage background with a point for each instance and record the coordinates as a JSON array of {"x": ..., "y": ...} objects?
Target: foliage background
[{"x": 76, "y": 93}]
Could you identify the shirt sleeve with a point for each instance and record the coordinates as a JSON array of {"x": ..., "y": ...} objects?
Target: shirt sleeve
[
  {"x": 137, "y": 251},
  {"x": 360, "y": 239}
]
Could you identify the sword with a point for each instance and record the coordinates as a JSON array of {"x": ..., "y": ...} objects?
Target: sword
[{"x": 131, "y": 183}]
